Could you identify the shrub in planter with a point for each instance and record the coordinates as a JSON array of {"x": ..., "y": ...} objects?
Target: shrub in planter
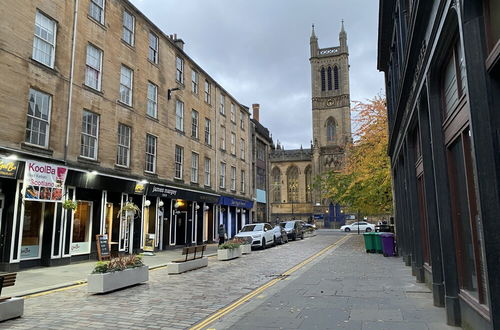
[
  {"x": 117, "y": 273},
  {"x": 69, "y": 204},
  {"x": 229, "y": 250},
  {"x": 229, "y": 245}
]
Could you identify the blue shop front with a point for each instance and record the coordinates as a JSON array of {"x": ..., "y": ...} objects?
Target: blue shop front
[{"x": 234, "y": 213}]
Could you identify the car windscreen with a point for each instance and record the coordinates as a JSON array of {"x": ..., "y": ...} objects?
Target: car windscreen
[
  {"x": 289, "y": 225},
  {"x": 252, "y": 228}
]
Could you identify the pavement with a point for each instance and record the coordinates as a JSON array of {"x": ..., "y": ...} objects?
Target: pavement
[
  {"x": 344, "y": 287},
  {"x": 41, "y": 279}
]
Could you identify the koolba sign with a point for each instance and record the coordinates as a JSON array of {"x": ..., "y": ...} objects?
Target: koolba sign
[{"x": 43, "y": 181}]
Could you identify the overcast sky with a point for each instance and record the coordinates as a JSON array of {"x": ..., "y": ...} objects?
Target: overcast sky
[{"x": 258, "y": 50}]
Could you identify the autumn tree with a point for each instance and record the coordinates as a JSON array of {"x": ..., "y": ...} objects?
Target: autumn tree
[{"x": 364, "y": 183}]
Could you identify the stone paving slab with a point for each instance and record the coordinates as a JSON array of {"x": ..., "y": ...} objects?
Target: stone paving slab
[{"x": 167, "y": 301}]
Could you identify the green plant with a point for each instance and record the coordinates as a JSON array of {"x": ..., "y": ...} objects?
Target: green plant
[
  {"x": 69, "y": 204},
  {"x": 129, "y": 207},
  {"x": 242, "y": 240},
  {"x": 229, "y": 245},
  {"x": 119, "y": 263}
]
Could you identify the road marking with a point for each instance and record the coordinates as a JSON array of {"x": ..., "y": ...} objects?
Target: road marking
[
  {"x": 72, "y": 286},
  {"x": 223, "y": 311}
]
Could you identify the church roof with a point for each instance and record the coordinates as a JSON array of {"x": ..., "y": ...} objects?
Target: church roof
[{"x": 280, "y": 155}]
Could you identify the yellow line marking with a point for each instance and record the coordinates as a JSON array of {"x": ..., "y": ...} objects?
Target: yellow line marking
[
  {"x": 78, "y": 284},
  {"x": 260, "y": 289}
]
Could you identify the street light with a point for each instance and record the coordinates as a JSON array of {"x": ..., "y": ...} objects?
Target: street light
[{"x": 293, "y": 187}]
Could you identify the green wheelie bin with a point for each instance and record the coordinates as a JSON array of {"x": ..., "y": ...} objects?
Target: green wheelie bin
[{"x": 369, "y": 242}]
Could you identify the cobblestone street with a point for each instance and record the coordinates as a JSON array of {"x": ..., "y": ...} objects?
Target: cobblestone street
[{"x": 168, "y": 301}]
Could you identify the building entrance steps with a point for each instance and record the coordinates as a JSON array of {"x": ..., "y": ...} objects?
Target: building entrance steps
[{"x": 35, "y": 280}]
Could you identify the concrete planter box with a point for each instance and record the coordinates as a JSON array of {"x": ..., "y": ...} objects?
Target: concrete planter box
[
  {"x": 246, "y": 248},
  {"x": 11, "y": 308},
  {"x": 181, "y": 267},
  {"x": 228, "y": 254},
  {"x": 106, "y": 282}
]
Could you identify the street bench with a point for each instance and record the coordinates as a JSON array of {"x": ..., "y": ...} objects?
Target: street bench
[
  {"x": 9, "y": 307},
  {"x": 193, "y": 259}
]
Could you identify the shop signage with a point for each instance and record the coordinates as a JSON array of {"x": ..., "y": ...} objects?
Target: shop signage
[
  {"x": 318, "y": 216},
  {"x": 8, "y": 168},
  {"x": 229, "y": 201},
  {"x": 44, "y": 182},
  {"x": 174, "y": 193},
  {"x": 102, "y": 247},
  {"x": 139, "y": 189}
]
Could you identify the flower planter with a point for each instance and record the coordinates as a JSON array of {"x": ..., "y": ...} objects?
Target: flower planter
[
  {"x": 246, "y": 248},
  {"x": 11, "y": 308},
  {"x": 228, "y": 254},
  {"x": 181, "y": 267},
  {"x": 106, "y": 282}
]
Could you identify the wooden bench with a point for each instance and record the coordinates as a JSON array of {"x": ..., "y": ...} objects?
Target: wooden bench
[
  {"x": 9, "y": 307},
  {"x": 6, "y": 280},
  {"x": 192, "y": 253}
]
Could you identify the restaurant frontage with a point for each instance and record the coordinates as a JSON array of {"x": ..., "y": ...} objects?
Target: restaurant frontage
[{"x": 234, "y": 213}]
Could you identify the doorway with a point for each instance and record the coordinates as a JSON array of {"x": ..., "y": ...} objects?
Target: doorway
[{"x": 181, "y": 226}]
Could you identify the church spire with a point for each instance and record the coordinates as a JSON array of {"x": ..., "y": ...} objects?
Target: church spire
[
  {"x": 343, "y": 38},
  {"x": 313, "y": 42}
]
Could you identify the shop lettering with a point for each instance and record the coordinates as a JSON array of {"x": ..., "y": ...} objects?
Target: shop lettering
[
  {"x": 42, "y": 169},
  {"x": 9, "y": 167},
  {"x": 163, "y": 191}
]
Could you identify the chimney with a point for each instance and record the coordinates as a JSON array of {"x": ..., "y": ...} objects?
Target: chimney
[
  {"x": 255, "y": 108},
  {"x": 178, "y": 42}
]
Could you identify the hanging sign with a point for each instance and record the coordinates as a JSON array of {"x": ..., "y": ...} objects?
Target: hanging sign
[
  {"x": 44, "y": 182},
  {"x": 8, "y": 168}
]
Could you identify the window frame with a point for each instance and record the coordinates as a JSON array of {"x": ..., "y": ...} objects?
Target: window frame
[
  {"x": 222, "y": 175},
  {"x": 130, "y": 30},
  {"x": 153, "y": 52},
  {"x": 47, "y": 121},
  {"x": 102, "y": 11},
  {"x": 179, "y": 69},
  {"x": 179, "y": 162},
  {"x": 194, "y": 81},
  {"x": 242, "y": 149},
  {"x": 44, "y": 40},
  {"x": 195, "y": 119},
  {"x": 208, "y": 131},
  {"x": 207, "y": 170},
  {"x": 147, "y": 153},
  {"x": 208, "y": 91},
  {"x": 223, "y": 138},
  {"x": 233, "y": 143},
  {"x": 130, "y": 88},
  {"x": 233, "y": 112},
  {"x": 90, "y": 67},
  {"x": 242, "y": 120},
  {"x": 242, "y": 181},
  {"x": 195, "y": 166},
  {"x": 179, "y": 117},
  {"x": 126, "y": 147},
  {"x": 233, "y": 178},
  {"x": 89, "y": 135},
  {"x": 152, "y": 102},
  {"x": 222, "y": 101}
]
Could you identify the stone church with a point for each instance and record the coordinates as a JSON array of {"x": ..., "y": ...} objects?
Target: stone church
[{"x": 293, "y": 172}]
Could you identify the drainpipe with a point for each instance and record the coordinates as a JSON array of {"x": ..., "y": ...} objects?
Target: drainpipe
[{"x": 70, "y": 92}]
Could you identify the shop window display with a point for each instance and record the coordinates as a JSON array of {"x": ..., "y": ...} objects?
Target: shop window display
[
  {"x": 33, "y": 214},
  {"x": 81, "y": 228}
]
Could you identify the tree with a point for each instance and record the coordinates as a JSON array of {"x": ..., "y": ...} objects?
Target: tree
[{"x": 364, "y": 183}]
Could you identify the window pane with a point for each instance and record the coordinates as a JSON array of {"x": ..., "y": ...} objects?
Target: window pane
[
  {"x": 37, "y": 125},
  {"x": 152, "y": 100},
  {"x": 44, "y": 39},
  {"x": 179, "y": 116}
]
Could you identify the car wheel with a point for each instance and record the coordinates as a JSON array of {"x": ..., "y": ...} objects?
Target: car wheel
[
  {"x": 274, "y": 241},
  {"x": 347, "y": 229},
  {"x": 368, "y": 229},
  {"x": 263, "y": 243}
]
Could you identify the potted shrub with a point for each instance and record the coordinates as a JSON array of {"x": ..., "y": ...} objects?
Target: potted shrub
[
  {"x": 117, "y": 273},
  {"x": 130, "y": 208},
  {"x": 245, "y": 244},
  {"x": 228, "y": 251}
]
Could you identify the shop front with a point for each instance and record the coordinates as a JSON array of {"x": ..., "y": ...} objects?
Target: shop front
[
  {"x": 175, "y": 216},
  {"x": 234, "y": 214}
]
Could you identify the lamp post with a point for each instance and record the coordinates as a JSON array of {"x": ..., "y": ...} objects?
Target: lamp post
[{"x": 293, "y": 187}]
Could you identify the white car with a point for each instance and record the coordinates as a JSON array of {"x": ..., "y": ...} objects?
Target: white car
[
  {"x": 363, "y": 226},
  {"x": 262, "y": 234}
]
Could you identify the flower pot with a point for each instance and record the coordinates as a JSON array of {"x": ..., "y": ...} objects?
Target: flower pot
[
  {"x": 106, "y": 282},
  {"x": 245, "y": 248},
  {"x": 228, "y": 254}
]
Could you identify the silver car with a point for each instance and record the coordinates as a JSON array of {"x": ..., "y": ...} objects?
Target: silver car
[{"x": 262, "y": 234}]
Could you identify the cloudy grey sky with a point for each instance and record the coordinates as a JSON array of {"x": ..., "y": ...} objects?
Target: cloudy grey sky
[{"x": 259, "y": 51}]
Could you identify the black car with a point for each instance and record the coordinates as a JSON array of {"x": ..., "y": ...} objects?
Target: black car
[{"x": 293, "y": 229}]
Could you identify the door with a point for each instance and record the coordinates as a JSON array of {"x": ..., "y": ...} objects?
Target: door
[
  {"x": 268, "y": 233},
  {"x": 2, "y": 201}
]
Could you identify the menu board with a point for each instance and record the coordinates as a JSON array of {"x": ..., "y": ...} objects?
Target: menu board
[{"x": 102, "y": 247}]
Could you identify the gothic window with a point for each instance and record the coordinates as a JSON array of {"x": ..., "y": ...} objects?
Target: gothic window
[
  {"x": 336, "y": 77},
  {"x": 276, "y": 175},
  {"x": 292, "y": 179},
  {"x": 329, "y": 78},
  {"x": 330, "y": 129},
  {"x": 308, "y": 184},
  {"x": 322, "y": 79}
]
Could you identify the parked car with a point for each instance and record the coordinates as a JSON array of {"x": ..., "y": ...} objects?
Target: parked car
[
  {"x": 293, "y": 229},
  {"x": 280, "y": 234},
  {"x": 363, "y": 226},
  {"x": 262, "y": 234},
  {"x": 309, "y": 228}
]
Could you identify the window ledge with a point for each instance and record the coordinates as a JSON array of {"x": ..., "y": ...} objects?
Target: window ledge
[
  {"x": 150, "y": 174},
  {"x": 44, "y": 67},
  {"x": 37, "y": 149},
  {"x": 88, "y": 160},
  {"x": 208, "y": 186},
  {"x": 101, "y": 25},
  {"x": 196, "y": 184},
  {"x": 153, "y": 63},
  {"x": 93, "y": 90},
  {"x": 180, "y": 132},
  {"x": 178, "y": 180},
  {"x": 152, "y": 118},
  {"x": 125, "y": 105},
  {"x": 132, "y": 47},
  {"x": 122, "y": 168}
]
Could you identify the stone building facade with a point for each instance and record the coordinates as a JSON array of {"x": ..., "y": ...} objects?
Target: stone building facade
[
  {"x": 94, "y": 89},
  {"x": 293, "y": 171}
]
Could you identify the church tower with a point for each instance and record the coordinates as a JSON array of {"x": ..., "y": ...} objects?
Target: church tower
[{"x": 331, "y": 112}]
